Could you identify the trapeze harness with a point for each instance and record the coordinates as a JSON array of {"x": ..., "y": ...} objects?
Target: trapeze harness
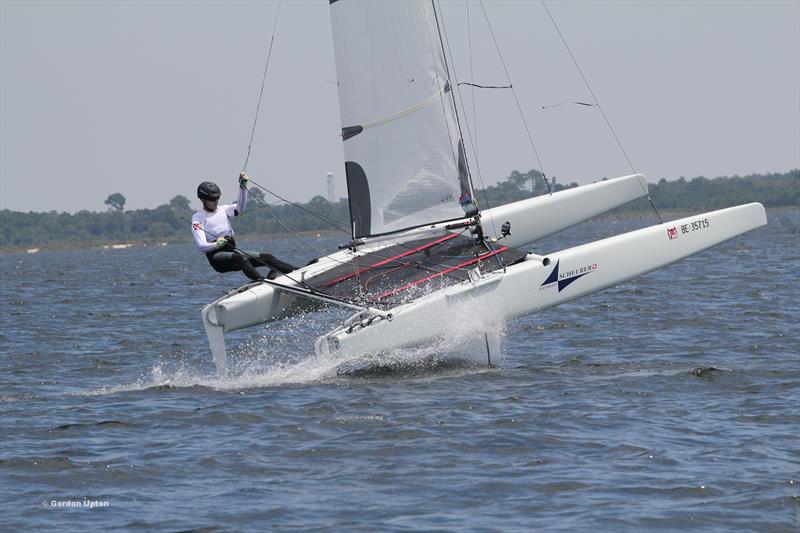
[{"x": 208, "y": 226}]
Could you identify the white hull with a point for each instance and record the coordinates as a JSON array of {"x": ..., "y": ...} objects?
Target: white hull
[
  {"x": 539, "y": 217},
  {"x": 539, "y": 283}
]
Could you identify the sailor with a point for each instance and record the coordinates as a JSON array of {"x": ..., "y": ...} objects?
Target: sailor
[{"x": 212, "y": 231}]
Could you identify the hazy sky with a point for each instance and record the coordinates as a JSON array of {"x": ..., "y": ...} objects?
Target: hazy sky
[{"x": 147, "y": 98}]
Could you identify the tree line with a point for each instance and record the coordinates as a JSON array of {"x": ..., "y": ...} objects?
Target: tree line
[{"x": 171, "y": 221}]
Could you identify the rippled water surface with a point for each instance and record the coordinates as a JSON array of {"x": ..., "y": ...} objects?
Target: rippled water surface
[{"x": 670, "y": 402}]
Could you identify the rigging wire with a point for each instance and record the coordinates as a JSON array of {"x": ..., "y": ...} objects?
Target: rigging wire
[
  {"x": 295, "y": 234},
  {"x": 597, "y": 103},
  {"x": 587, "y": 104},
  {"x": 265, "y": 205},
  {"x": 440, "y": 28},
  {"x": 321, "y": 252},
  {"x": 516, "y": 99},
  {"x": 469, "y": 131},
  {"x": 487, "y": 242},
  {"x": 474, "y": 142},
  {"x": 327, "y": 220},
  {"x": 263, "y": 82}
]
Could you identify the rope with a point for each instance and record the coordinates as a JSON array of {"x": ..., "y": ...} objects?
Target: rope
[
  {"x": 263, "y": 82},
  {"x": 484, "y": 86},
  {"x": 516, "y": 99},
  {"x": 597, "y": 103},
  {"x": 321, "y": 252},
  {"x": 264, "y": 205},
  {"x": 570, "y": 102},
  {"x": 321, "y": 217}
]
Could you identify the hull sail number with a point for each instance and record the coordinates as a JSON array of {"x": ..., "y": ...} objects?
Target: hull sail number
[{"x": 695, "y": 225}]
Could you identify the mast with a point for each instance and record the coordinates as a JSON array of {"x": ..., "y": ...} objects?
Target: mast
[{"x": 468, "y": 203}]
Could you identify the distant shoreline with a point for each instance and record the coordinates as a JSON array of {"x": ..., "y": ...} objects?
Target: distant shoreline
[
  {"x": 169, "y": 223},
  {"x": 145, "y": 242}
]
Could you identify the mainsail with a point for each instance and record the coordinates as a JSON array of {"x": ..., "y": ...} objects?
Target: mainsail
[{"x": 404, "y": 157}]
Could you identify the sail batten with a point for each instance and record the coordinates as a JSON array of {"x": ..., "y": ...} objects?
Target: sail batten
[
  {"x": 404, "y": 112},
  {"x": 403, "y": 151}
]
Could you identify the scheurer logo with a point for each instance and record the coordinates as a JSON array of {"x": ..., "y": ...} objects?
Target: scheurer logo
[{"x": 566, "y": 278}]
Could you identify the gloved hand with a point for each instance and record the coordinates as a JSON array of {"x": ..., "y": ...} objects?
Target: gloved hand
[
  {"x": 243, "y": 179},
  {"x": 223, "y": 243}
]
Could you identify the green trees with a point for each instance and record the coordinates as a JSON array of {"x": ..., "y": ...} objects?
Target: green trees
[
  {"x": 171, "y": 221},
  {"x": 772, "y": 190},
  {"x": 700, "y": 193},
  {"x": 257, "y": 195},
  {"x": 517, "y": 186},
  {"x": 180, "y": 204},
  {"x": 115, "y": 201}
]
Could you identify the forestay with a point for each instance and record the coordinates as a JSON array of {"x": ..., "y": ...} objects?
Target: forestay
[{"x": 404, "y": 157}]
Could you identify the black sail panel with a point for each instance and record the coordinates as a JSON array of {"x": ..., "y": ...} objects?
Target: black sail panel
[{"x": 358, "y": 193}]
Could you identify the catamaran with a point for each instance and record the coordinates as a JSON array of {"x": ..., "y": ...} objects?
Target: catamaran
[{"x": 422, "y": 251}]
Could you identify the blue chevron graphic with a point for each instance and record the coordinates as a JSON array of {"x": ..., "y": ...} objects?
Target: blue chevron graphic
[{"x": 563, "y": 283}]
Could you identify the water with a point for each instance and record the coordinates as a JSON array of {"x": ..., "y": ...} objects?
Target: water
[{"x": 666, "y": 403}]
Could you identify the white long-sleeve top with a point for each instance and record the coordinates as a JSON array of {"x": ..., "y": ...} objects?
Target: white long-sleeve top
[{"x": 208, "y": 226}]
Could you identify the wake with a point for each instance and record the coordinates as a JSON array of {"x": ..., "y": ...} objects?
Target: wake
[
  {"x": 280, "y": 357},
  {"x": 436, "y": 360}
]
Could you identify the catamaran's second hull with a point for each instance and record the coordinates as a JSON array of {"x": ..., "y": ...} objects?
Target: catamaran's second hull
[{"x": 534, "y": 284}]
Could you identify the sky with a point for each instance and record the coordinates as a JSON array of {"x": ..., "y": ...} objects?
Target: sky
[{"x": 148, "y": 98}]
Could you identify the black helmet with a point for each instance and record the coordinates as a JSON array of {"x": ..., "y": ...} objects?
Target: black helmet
[{"x": 208, "y": 191}]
